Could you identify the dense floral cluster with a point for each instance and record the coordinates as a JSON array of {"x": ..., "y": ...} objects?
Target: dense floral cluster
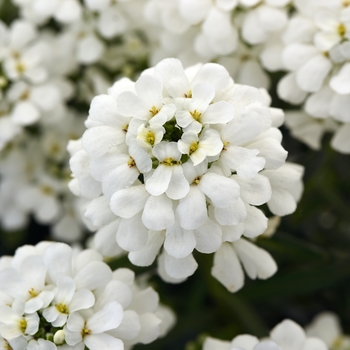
[
  {"x": 40, "y": 108},
  {"x": 316, "y": 53},
  {"x": 287, "y": 335},
  {"x": 53, "y": 297},
  {"x": 183, "y": 158},
  {"x": 323, "y": 333},
  {"x": 241, "y": 35}
]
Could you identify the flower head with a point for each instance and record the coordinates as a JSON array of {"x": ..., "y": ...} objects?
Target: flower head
[{"x": 177, "y": 156}]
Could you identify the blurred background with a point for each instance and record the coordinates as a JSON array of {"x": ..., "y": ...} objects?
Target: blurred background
[{"x": 311, "y": 248}]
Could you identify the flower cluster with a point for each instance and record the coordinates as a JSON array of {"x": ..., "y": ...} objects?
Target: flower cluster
[
  {"x": 53, "y": 297},
  {"x": 182, "y": 158},
  {"x": 287, "y": 335},
  {"x": 241, "y": 35},
  {"x": 42, "y": 89},
  {"x": 316, "y": 53}
]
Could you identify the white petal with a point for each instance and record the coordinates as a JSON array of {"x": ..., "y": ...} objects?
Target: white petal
[
  {"x": 202, "y": 96},
  {"x": 232, "y": 215},
  {"x": 208, "y": 237},
  {"x": 255, "y": 191},
  {"x": 214, "y": 74},
  {"x": 65, "y": 290},
  {"x": 107, "y": 318},
  {"x": 257, "y": 262},
  {"x": 311, "y": 75},
  {"x": 289, "y": 90},
  {"x": 103, "y": 109},
  {"x": 149, "y": 328},
  {"x": 271, "y": 150},
  {"x": 255, "y": 223},
  {"x": 158, "y": 213},
  {"x": 94, "y": 275},
  {"x": 98, "y": 212},
  {"x": 178, "y": 186},
  {"x": 89, "y": 49},
  {"x": 247, "y": 125},
  {"x": 267, "y": 345},
  {"x": 288, "y": 335},
  {"x": 132, "y": 235},
  {"x": 243, "y": 160},
  {"x": 58, "y": 258},
  {"x": 148, "y": 253},
  {"x": 158, "y": 183},
  {"x": 179, "y": 243},
  {"x": 340, "y": 83},
  {"x": 216, "y": 344},
  {"x": 282, "y": 202},
  {"x": 341, "y": 139},
  {"x": 192, "y": 210},
  {"x": 144, "y": 301},
  {"x": 129, "y": 201},
  {"x": 130, "y": 104},
  {"x": 130, "y": 326},
  {"x": 246, "y": 341},
  {"x": 172, "y": 75},
  {"x": 222, "y": 191},
  {"x": 68, "y": 11},
  {"x": 314, "y": 344},
  {"x": 218, "y": 113},
  {"x": 25, "y": 113},
  {"x": 318, "y": 104},
  {"x": 103, "y": 341},
  {"x": 180, "y": 268},
  {"x": 339, "y": 107},
  {"x": 99, "y": 139},
  {"x": 83, "y": 299},
  {"x": 227, "y": 268}
]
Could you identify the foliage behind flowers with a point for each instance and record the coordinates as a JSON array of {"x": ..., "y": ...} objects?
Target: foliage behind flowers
[{"x": 185, "y": 164}]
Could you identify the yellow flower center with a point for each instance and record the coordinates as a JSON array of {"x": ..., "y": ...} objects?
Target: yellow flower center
[
  {"x": 189, "y": 94},
  {"x": 151, "y": 138},
  {"x": 154, "y": 110},
  {"x": 197, "y": 180},
  {"x": 32, "y": 293},
  {"x": 346, "y": 3},
  {"x": 170, "y": 162},
  {"x": 46, "y": 189},
  {"x": 20, "y": 67},
  {"x": 131, "y": 162},
  {"x": 62, "y": 308},
  {"x": 23, "y": 325},
  {"x": 341, "y": 29},
  {"x": 196, "y": 115},
  {"x": 193, "y": 147},
  {"x": 85, "y": 331}
]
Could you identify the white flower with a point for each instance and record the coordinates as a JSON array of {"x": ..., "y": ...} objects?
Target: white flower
[
  {"x": 177, "y": 156},
  {"x": 91, "y": 331},
  {"x": 168, "y": 177},
  {"x": 287, "y": 335},
  {"x": 316, "y": 53},
  {"x": 85, "y": 303},
  {"x": 326, "y": 326}
]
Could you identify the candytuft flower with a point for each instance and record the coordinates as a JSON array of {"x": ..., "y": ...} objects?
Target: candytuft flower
[
  {"x": 180, "y": 157},
  {"x": 53, "y": 297}
]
